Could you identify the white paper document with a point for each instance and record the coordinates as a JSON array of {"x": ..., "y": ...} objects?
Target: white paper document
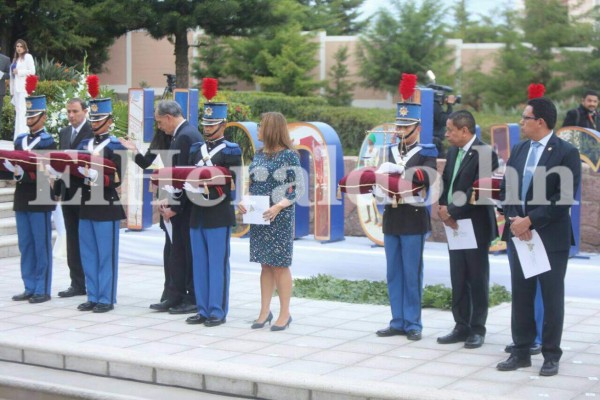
[
  {"x": 255, "y": 208},
  {"x": 169, "y": 229},
  {"x": 532, "y": 255},
  {"x": 462, "y": 238}
]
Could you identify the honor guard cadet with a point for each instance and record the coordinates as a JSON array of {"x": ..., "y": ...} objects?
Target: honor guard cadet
[
  {"x": 212, "y": 215},
  {"x": 33, "y": 208},
  {"x": 101, "y": 211},
  {"x": 405, "y": 224}
]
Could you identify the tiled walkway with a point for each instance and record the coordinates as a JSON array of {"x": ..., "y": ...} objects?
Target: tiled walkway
[{"x": 329, "y": 352}]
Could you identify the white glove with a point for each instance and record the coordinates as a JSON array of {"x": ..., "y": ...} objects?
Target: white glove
[
  {"x": 189, "y": 188},
  {"x": 171, "y": 190},
  {"x": 92, "y": 174},
  {"x": 390, "y": 168},
  {"x": 9, "y": 166},
  {"x": 53, "y": 173},
  {"x": 381, "y": 195}
]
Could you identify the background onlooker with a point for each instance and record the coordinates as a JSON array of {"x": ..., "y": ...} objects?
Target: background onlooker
[
  {"x": 586, "y": 115},
  {"x": 4, "y": 71},
  {"x": 21, "y": 66}
]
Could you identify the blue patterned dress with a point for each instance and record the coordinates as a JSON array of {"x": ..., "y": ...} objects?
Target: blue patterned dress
[{"x": 277, "y": 175}]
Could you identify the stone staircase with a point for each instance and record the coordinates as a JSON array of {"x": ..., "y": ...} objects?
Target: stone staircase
[{"x": 8, "y": 225}]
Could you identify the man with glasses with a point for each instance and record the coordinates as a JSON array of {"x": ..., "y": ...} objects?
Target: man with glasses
[{"x": 546, "y": 212}]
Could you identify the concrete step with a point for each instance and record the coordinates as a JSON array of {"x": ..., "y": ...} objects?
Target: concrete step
[
  {"x": 8, "y": 226},
  {"x": 6, "y": 210},
  {"x": 7, "y": 194},
  {"x": 33, "y": 382},
  {"x": 9, "y": 245}
]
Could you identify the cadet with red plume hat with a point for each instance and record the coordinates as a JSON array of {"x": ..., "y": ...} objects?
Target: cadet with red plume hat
[
  {"x": 212, "y": 214},
  {"x": 34, "y": 227},
  {"x": 406, "y": 224},
  {"x": 100, "y": 211}
]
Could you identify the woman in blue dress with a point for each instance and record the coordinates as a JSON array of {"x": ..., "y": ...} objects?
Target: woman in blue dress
[{"x": 275, "y": 172}]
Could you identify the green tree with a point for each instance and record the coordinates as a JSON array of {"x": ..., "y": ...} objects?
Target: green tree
[
  {"x": 64, "y": 30},
  {"x": 338, "y": 91},
  {"x": 507, "y": 84},
  {"x": 174, "y": 19},
  {"x": 289, "y": 70},
  {"x": 279, "y": 59},
  {"x": 483, "y": 31},
  {"x": 337, "y": 17},
  {"x": 411, "y": 42},
  {"x": 212, "y": 60}
]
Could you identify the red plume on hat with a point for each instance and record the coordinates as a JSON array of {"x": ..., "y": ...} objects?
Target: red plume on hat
[
  {"x": 31, "y": 83},
  {"x": 93, "y": 84},
  {"x": 209, "y": 88},
  {"x": 407, "y": 86},
  {"x": 535, "y": 90}
]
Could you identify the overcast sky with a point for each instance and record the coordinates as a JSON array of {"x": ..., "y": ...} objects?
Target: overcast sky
[{"x": 475, "y": 6}]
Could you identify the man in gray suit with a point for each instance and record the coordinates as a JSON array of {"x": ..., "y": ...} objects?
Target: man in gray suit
[
  {"x": 4, "y": 70},
  {"x": 69, "y": 138}
]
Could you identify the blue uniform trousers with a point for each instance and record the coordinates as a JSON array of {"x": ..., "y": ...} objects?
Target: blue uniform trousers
[
  {"x": 210, "y": 255},
  {"x": 99, "y": 245},
  {"x": 404, "y": 257},
  {"x": 34, "y": 231}
]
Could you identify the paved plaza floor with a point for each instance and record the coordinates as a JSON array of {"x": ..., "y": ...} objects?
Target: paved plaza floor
[{"x": 330, "y": 350}]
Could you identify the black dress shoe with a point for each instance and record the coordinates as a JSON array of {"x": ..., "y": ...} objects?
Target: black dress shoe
[
  {"x": 453, "y": 337},
  {"x": 163, "y": 306},
  {"x": 389, "y": 331},
  {"x": 87, "y": 306},
  {"x": 102, "y": 308},
  {"x": 39, "y": 298},
  {"x": 413, "y": 335},
  {"x": 474, "y": 341},
  {"x": 549, "y": 368},
  {"x": 71, "y": 291},
  {"x": 183, "y": 308},
  {"x": 196, "y": 319},
  {"x": 22, "y": 297},
  {"x": 534, "y": 350},
  {"x": 513, "y": 363},
  {"x": 214, "y": 321}
]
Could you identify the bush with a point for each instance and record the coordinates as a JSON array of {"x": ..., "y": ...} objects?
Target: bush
[
  {"x": 260, "y": 102},
  {"x": 8, "y": 120},
  {"x": 50, "y": 70},
  {"x": 326, "y": 287}
]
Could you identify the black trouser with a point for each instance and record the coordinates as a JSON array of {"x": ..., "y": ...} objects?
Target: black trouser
[
  {"x": 181, "y": 285},
  {"x": 523, "y": 325},
  {"x": 470, "y": 277},
  {"x": 166, "y": 256},
  {"x": 71, "y": 217}
]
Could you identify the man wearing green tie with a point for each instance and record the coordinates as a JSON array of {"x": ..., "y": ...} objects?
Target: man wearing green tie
[{"x": 468, "y": 159}]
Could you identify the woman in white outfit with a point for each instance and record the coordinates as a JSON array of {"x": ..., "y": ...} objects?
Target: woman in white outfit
[{"x": 22, "y": 66}]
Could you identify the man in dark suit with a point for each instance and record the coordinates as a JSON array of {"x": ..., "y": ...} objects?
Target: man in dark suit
[
  {"x": 180, "y": 298},
  {"x": 468, "y": 160},
  {"x": 4, "y": 70},
  {"x": 586, "y": 115},
  {"x": 534, "y": 199},
  {"x": 69, "y": 138},
  {"x": 211, "y": 220}
]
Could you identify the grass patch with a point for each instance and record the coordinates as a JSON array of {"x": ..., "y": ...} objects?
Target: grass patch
[{"x": 326, "y": 287}]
